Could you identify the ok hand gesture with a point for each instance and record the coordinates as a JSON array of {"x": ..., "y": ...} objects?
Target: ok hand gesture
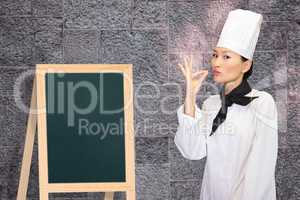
[{"x": 193, "y": 83}]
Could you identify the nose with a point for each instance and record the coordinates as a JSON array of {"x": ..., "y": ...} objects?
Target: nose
[{"x": 217, "y": 62}]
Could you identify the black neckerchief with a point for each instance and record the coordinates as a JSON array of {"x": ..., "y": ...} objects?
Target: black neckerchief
[{"x": 235, "y": 96}]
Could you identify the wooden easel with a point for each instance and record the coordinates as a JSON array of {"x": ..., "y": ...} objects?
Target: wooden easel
[
  {"x": 27, "y": 156},
  {"x": 28, "y": 149}
]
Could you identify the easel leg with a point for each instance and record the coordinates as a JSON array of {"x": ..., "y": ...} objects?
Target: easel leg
[
  {"x": 130, "y": 195},
  {"x": 28, "y": 148},
  {"x": 44, "y": 195},
  {"x": 109, "y": 196}
]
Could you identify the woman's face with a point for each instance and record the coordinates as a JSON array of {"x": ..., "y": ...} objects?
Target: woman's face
[{"x": 227, "y": 66}]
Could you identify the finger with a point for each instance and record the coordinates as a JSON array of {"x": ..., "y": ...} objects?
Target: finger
[
  {"x": 185, "y": 62},
  {"x": 191, "y": 60},
  {"x": 181, "y": 55},
  {"x": 203, "y": 76},
  {"x": 187, "y": 65},
  {"x": 181, "y": 68},
  {"x": 200, "y": 73},
  {"x": 205, "y": 73}
]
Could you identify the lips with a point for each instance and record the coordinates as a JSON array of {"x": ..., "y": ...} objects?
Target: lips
[{"x": 215, "y": 72}]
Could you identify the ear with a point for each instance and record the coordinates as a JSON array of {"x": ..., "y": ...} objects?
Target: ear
[{"x": 246, "y": 65}]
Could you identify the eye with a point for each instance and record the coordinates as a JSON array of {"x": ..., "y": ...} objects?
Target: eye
[
  {"x": 226, "y": 57},
  {"x": 214, "y": 55}
]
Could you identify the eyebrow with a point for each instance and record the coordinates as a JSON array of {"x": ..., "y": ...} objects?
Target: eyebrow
[{"x": 225, "y": 51}]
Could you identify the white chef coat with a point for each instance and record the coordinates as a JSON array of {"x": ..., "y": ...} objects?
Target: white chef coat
[{"x": 241, "y": 154}]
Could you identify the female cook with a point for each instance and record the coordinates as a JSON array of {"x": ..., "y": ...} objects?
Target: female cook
[{"x": 235, "y": 130}]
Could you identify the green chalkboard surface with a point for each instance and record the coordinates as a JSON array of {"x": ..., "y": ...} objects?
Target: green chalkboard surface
[{"x": 85, "y": 127}]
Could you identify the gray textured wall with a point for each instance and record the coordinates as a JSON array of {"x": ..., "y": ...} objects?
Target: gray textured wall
[{"x": 149, "y": 34}]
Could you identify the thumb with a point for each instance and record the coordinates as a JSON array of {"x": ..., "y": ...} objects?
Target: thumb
[{"x": 200, "y": 76}]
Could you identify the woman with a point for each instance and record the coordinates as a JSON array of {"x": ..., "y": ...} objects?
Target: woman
[{"x": 235, "y": 130}]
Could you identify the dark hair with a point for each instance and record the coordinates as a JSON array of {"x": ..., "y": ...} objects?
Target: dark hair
[{"x": 249, "y": 72}]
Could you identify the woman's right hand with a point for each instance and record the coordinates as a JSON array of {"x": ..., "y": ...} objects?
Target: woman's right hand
[{"x": 193, "y": 84}]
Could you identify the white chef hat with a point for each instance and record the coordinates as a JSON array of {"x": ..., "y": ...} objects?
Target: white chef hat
[{"x": 240, "y": 32}]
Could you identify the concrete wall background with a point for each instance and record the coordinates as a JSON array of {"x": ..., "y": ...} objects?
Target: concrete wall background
[{"x": 149, "y": 34}]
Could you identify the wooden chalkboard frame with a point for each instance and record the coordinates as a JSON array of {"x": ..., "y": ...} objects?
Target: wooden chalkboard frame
[{"x": 45, "y": 187}]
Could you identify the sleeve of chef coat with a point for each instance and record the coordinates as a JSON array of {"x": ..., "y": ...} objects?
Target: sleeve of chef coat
[
  {"x": 190, "y": 137},
  {"x": 260, "y": 169}
]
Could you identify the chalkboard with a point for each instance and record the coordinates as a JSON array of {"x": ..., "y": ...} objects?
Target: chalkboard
[
  {"x": 85, "y": 132},
  {"x": 86, "y": 146}
]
